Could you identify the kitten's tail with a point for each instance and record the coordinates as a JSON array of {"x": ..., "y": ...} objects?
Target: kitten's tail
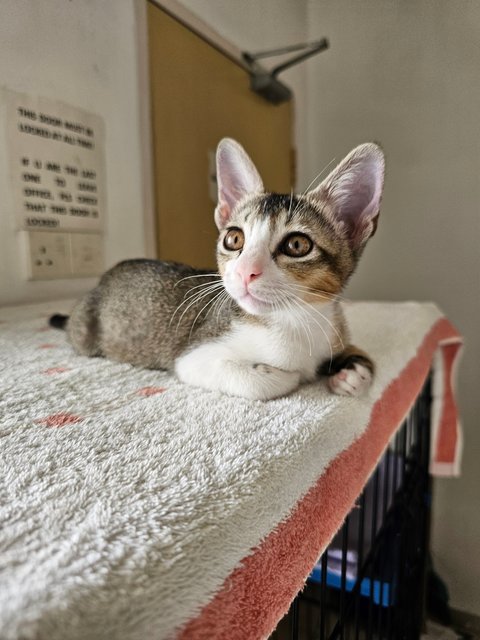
[{"x": 58, "y": 321}]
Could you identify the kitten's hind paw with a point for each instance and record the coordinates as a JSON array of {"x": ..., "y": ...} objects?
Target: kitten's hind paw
[
  {"x": 351, "y": 382},
  {"x": 350, "y": 373}
]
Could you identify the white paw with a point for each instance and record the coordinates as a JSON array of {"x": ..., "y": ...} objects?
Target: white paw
[
  {"x": 351, "y": 382},
  {"x": 212, "y": 366},
  {"x": 270, "y": 382}
]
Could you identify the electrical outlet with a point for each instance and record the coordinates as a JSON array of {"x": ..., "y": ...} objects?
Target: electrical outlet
[
  {"x": 87, "y": 254},
  {"x": 49, "y": 255}
]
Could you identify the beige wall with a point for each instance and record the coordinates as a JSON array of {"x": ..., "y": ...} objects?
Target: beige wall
[
  {"x": 85, "y": 54},
  {"x": 407, "y": 75}
]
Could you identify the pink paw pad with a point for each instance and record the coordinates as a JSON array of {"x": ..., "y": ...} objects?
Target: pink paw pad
[{"x": 351, "y": 382}]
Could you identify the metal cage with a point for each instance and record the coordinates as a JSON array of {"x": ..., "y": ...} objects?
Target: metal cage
[{"x": 370, "y": 581}]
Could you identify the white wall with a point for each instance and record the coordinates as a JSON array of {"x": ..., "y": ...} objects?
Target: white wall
[
  {"x": 407, "y": 75},
  {"x": 86, "y": 54}
]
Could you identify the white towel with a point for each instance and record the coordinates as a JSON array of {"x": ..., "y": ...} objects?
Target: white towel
[{"x": 128, "y": 499}]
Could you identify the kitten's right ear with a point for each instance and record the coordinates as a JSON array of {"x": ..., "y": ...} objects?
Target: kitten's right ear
[{"x": 236, "y": 177}]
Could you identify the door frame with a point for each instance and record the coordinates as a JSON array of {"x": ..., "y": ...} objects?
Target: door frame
[
  {"x": 198, "y": 26},
  {"x": 144, "y": 124},
  {"x": 201, "y": 28}
]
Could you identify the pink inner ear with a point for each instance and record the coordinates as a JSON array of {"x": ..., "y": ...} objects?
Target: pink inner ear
[
  {"x": 236, "y": 176},
  {"x": 358, "y": 208},
  {"x": 358, "y": 202},
  {"x": 222, "y": 214},
  {"x": 354, "y": 190}
]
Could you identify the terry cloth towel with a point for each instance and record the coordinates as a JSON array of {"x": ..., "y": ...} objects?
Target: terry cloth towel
[{"x": 133, "y": 507}]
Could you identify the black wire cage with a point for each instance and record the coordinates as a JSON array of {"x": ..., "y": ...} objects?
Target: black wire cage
[{"x": 370, "y": 581}]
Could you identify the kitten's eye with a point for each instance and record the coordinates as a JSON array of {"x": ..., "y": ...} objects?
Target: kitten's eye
[
  {"x": 234, "y": 240},
  {"x": 296, "y": 245}
]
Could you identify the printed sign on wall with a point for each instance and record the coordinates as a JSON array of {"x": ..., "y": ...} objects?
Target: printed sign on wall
[{"x": 57, "y": 165}]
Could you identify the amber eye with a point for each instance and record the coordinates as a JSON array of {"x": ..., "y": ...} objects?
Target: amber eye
[
  {"x": 296, "y": 245},
  {"x": 234, "y": 240}
]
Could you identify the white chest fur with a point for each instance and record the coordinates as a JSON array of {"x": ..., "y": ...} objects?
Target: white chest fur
[
  {"x": 263, "y": 361},
  {"x": 298, "y": 343}
]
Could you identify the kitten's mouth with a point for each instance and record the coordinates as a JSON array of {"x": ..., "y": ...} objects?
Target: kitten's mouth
[
  {"x": 254, "y": 304},
  {"x": 249, "y": 301}
]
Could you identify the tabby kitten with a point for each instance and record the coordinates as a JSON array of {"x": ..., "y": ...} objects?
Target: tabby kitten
[{"x": 271, "y": 319}]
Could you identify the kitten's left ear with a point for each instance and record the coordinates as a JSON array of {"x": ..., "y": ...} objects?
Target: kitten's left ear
[
  {"x": 353, "y": 192},
  {"x": 236, "y": 177}
]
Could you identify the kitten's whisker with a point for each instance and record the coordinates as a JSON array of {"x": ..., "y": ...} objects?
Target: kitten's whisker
[
  {"x": 205, "y": 287},
  {"x": 290, "y": 205},
  {"x": 322, "y": 329},
  {"x": 287, "y": 303},
  {"x": 303, "y": 194},
  {"x": 298, "y": 206},
  {"x": 330, "y": 323},
  {"x": 219, "y": 305},
  {"x": 298, "y": 314},
  {"x": 324, "y": 317},
  {"x": 306, "y": 328},
  {"x": 316, "y": 292},
  {"x": 297, "y": 331},
  {"x": 210, "y": 286},
  {"x": 304, "y": 309},
  {"x": 191, "y": 297},
  {"x": 189, "y": 302},
  {"x": 200, "y": 296},
  {"x": 318, "y": 176},
  {"x": 198, "y": 275},
  {"x": 200, "y": 312},
  {"x": 287, "y": 289},
  {"x": 204, "y": 284},
  {"x": 318, "y": 295}
]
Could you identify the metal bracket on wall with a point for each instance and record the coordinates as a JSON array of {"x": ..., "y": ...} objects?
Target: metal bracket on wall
[{"x": 265, "y": 83}]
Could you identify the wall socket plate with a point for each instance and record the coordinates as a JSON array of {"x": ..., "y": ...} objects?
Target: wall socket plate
[
  {"x": 87, "y": 254},
  {"x": 52, "y": 255},
  {"x": 49, "y": 255}
]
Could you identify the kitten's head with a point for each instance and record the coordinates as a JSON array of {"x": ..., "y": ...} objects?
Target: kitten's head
[{"x": 301, "y": 248}]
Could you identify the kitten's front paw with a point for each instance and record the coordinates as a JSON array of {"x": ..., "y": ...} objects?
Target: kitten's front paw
[
  {"x": 351, "y": 382},
  {"x": 271, "y": 382},
  {"x": 267, "y": 369}
]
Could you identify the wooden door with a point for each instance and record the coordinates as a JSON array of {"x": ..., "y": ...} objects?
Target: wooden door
[{"x": 199, "y": 95}]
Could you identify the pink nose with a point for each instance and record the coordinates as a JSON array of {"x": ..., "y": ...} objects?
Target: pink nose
[{"x": 249, "y": 272}]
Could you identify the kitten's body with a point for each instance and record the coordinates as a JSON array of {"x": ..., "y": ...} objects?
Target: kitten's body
[
  {"x": 110, "y": 322},
  {"x": 135, "y": 314},
  {"x": 272, "y": 318}
]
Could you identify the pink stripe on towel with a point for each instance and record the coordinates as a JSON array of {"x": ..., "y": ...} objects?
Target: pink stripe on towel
[
  {"x": 256, "y": 595},
  {"x": 447, "y": 436}
]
